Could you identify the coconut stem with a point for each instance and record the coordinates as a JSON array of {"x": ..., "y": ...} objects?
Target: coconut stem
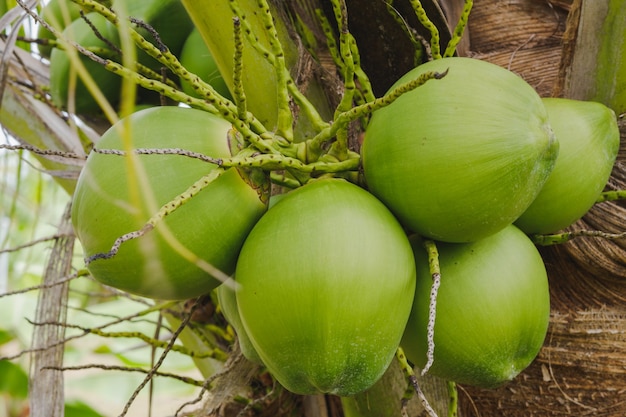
[
  {"x": 435, "y": 272},
  {"x": 408, "y": 371},
  {"x": 435, "y": 49},
  {"x": 238, "y": 91},
  {"x": 459, "y": 29},
  {"x": 453, "y": 404},
  {"x": 415, "y": 39},
  {"x": 612, "y": 196},
  {"x": 555, "y": 239}
]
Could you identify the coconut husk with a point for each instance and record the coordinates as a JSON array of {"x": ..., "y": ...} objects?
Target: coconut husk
[
  {"x": 603, "y": 259},
  {"x": 581, "y": 369}
]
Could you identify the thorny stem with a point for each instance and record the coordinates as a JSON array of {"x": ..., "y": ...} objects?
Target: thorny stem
[
  {"x": 259, "y": 160},
  {"x": 459, "y": 29},
  {"x": 150, "y": 73},
  {"x": 275, "y": 57},
  {"x": 155, "y": 35},
  {"x": 252, "y": 37},
  {"x": 98, "y": 35}
]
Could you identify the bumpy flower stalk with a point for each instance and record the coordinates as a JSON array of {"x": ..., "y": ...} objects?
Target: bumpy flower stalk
[
  {"x": 459, "y": 29},
  {"x": 435, "y": 272},
  {"x": 365, "y": 87},
  {"x": 269, "y": 162},
  {"x": 612, "y": 196},
  {"x": 556, "y": 239},
  {"x": 286, "y": 89},
  {"x": 238, "y": 91},
  {"x": 340, "y": 147},
  {"x": 331, "y": 42},
  {"x": 343, "y": 119},
  {"x": 435, "y": 49},
  {"x": 283, "y": 79},
  {"x": 417, "y": 44}
]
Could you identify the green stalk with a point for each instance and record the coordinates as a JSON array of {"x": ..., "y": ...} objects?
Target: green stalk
[
  {"x": 459, "y": 29},
  {"x": 263, "y": 85},
  {"x": 435, "y": 49},
  {"x": 453, "y": 394},
  {"x": 214, "y": 20},
  {"x": 207, "y": 365},
  {"x": 612, "y": 195}
]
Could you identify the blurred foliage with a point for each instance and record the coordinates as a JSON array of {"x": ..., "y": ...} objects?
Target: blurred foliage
[{"x": 31, "y": 205}]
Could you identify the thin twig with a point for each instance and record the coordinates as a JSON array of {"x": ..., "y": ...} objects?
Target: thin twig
[
  {"x": 184, "y": 379},
  {"x": 158, "y": 364},
  {"x": 35, "y": 242},
  {"x": 63, "y": 280},
  {"x": 62, "y": 155},
  {"x": 155, "y": 343},
  {"x": 70, "y": 338}
]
